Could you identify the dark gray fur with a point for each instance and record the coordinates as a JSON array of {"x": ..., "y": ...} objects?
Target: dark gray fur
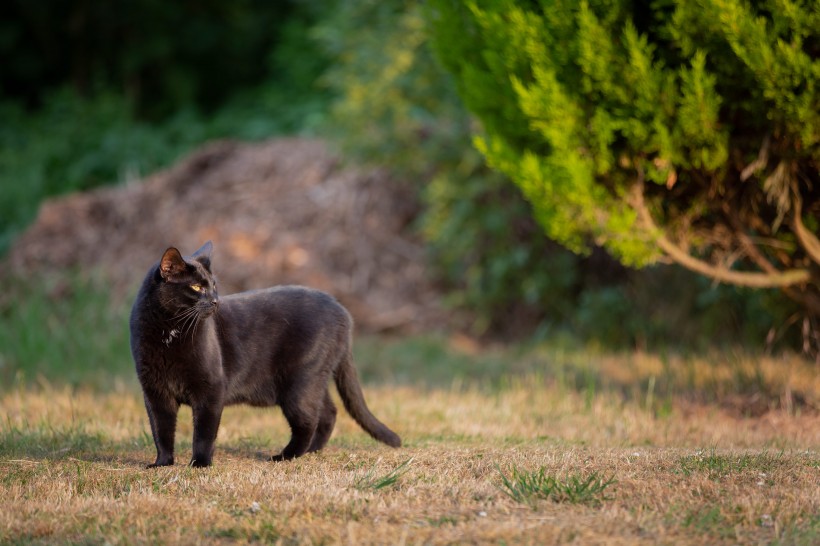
[{"x": 278, "y": 346}]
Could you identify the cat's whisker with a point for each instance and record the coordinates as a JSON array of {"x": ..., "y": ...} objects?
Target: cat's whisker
[
  {"x": 184, "y": 315},
  {"x": 183, "y": 318},
  {"x": 191, "y": 323}
]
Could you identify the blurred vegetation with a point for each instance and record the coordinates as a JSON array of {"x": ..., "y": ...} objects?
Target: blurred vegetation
[
  {"x": 396, "y": 106},
  {"x": 96, "y": 95},
  {"x": 64, "y": 330},
  {"x": 614, "y": 116},
  {"x": 160, "y": 56}
]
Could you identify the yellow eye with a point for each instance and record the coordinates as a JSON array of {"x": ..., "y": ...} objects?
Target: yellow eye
[{"x": 196, "y": 288}]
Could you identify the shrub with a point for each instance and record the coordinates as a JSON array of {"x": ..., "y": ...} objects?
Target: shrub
[{"x": 678, "y": 130}]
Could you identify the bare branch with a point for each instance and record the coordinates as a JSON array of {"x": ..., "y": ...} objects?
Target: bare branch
[
  {"x": 807, "y": 239},
  {"x": 778, "y": 188},
  {"x": 770, "y": 279},
  {"x": 747, "y": 244},
  {"x": 759, "y": 163},
  {"x": 753, "y": 252}
]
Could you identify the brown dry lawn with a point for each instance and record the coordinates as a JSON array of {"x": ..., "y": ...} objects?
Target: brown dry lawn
[{"x": 72, "y": 471}]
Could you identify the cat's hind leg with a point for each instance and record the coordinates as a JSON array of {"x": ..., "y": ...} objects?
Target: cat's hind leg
[
  {"x": 327, "y": 420},
  {"x": 303, "y": 418}
]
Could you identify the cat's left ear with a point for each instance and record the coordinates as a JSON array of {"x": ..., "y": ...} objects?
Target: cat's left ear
[
  {"x": 172, "y": 264},
  {"x": 203, "y": 255}
]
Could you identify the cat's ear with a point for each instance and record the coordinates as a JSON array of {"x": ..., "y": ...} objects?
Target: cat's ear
[
  {"x": 172, "y": 264},
  {"x": 203, "y": 255}
]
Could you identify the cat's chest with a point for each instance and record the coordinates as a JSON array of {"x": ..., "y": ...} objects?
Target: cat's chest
[
  {"x": 178, "y": 366},
  {"x": 169, "y": 336}
]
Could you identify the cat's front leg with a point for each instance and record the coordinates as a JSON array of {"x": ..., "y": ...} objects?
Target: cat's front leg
[
  {"x": 207, "y": 414},
  {"x": 162, "y": 413}
]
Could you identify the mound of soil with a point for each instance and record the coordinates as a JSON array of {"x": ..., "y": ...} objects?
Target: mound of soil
[{"x": 283, "y": 211}]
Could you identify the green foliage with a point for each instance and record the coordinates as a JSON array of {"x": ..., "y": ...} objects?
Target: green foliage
[
  {"x": 579, "y": 100},
  {"x": 527, "y": 487},
  {"x": 394, "y": 105},
  {"x": 666, "y": 306},
  {"x": 485, "y": 245}
]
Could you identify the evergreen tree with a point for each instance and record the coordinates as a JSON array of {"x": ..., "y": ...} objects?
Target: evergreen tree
[{"x": 686, "y": 131}]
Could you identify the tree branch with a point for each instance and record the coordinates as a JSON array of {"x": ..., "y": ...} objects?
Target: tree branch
[
  {"x": 807, "y": 239},
  {"x": 748, "y": 246},
  {"x": 772, "y": 279},
  {"x": 808, "y": 299}
]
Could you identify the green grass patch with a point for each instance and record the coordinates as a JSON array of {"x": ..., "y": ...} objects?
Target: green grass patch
[
  {"x": 374, "y": 482},
  {"x": 528, "y": 487},
  {"x": 718, "y": 466}
]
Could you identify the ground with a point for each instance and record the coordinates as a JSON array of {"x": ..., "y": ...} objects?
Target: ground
[{"x": 72, "y": 471}]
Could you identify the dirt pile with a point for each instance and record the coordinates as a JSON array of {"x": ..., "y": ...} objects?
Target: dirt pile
[{"x": 279, "y": 212}]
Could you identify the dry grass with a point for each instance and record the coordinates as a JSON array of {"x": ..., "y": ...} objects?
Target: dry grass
[{"x": 71, "y": 469}]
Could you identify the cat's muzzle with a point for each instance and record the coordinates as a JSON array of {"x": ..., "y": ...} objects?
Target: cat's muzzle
[{"x": 210, "y": 308}]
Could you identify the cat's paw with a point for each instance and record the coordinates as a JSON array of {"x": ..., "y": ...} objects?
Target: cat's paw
[
  {"x": 200, "y": 463},
  {"x": 282, "y": 457}
]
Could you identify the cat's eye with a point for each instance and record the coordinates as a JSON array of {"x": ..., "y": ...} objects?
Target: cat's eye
[{"x": 196, "y": 287}]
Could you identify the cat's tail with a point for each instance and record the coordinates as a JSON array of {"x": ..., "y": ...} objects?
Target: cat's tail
[{"x": 347, "y": 381}]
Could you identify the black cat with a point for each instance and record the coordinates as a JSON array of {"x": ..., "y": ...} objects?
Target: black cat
[{"x": 278, "y": 346}]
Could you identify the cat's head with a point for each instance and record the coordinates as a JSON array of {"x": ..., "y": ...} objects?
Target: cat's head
[{"x": 187, "y": 288}]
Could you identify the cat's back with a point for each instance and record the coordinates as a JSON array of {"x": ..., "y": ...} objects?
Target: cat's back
[{"x": 286, "y": 304}]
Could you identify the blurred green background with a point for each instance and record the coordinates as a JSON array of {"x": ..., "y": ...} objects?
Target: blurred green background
[{"x": 95, "y": 93}]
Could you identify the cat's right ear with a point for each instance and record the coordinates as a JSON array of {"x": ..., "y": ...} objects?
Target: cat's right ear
[
  {"x": 203, "y": 255},
  {"x": 172, "y": 264}
]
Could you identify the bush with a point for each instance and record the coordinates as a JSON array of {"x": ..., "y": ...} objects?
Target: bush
[
  {"x": 680, "y": 130},
  {"x": 395, "y": 107}
]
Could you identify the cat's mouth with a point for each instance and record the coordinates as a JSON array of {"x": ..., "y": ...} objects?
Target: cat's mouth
[{"x": 208, "y": 310}]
